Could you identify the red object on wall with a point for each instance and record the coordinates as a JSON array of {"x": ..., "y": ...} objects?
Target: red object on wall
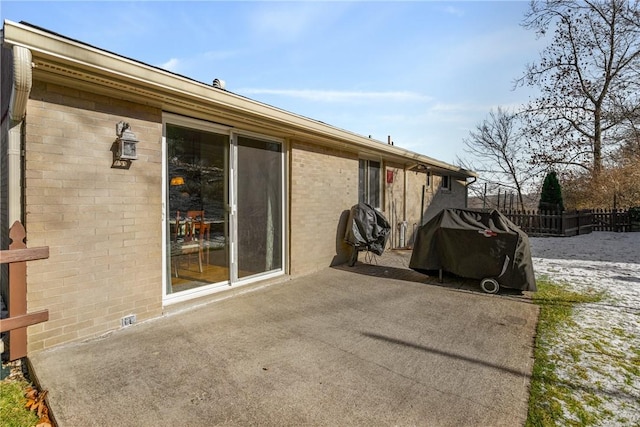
[{"x": 389, "y": 177}]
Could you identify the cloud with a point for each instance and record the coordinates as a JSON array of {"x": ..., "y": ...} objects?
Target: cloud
[
  {"x": 510, "y": 44},
  {"x": 339, "y": 96},
  {"x": 470, "y": 109},
  {"x": 171, "y": 65},
  {"x": 284, "y": 23},
  {"x": 219, "y": 55},
  {"x": 290, "y": 21},
  {"x": 452, "y": 10},
  {"x": 458, "y": 109}
]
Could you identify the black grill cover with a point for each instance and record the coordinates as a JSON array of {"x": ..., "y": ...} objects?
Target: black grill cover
[
  {"x": 475, "y": 245},
  {"x": 367, "y": 229}
]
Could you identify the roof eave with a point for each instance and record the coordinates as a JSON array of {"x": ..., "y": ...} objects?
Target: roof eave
[{"x": 83, "y": 58}]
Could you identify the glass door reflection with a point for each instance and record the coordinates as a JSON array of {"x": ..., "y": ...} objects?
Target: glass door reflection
[{"x": 198, "y": 247}]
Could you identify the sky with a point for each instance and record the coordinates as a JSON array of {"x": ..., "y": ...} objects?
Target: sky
[{"x": 424, "y": 72}]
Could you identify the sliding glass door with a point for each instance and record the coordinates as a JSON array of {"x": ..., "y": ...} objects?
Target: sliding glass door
[
  {"x": 197, "y": 244},
  {"x": 224, "y": 212}
]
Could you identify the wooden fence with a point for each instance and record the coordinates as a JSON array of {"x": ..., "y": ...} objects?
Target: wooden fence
[
  {"x": 611, "y": 220},
  {"x": 570, "y": 223},
  {"x": 18, "y": 320}
]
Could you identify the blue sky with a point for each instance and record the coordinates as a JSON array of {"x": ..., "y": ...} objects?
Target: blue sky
[{"x": 424, "y": 72}]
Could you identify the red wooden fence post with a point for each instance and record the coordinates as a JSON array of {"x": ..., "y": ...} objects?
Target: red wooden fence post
[
  {"x": 17, "y": 293},
  {"x": 18, "y": 320}
]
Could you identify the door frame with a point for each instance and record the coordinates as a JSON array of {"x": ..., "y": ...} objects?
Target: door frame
[{"x": 232, "y": 180}]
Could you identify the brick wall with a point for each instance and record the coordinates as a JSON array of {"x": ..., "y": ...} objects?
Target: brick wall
[
  {"x": 324, "y": 186},
  {"x": 393, "y": 200},
  {"x": 416, "y": 181},
  {"x": 397, "y": 207},
  {"x": 102, "y": 225}
]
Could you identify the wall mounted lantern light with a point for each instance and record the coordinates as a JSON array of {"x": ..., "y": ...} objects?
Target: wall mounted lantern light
[{"x": 126, "y": 142}]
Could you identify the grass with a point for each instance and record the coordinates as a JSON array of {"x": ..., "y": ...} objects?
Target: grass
[
  {"x": 551, "y": 397},
  {"x": 13, "y": 412}
]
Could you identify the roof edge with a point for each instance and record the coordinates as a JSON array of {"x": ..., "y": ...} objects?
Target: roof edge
[{"x": 48, "y": 44}]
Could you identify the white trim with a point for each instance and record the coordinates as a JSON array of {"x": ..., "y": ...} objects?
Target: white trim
[
  {"x": 198, "y": 292},
  {"x": 233, "y": 207},
  {"x": 259, "y": 136},
  {"x": 192, "y": 123},
  {"x": 163, "y": 216},
  {"x": 285, "y": 206}
]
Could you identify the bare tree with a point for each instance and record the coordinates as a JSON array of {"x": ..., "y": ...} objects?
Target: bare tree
[
  {"x": 589, "y": 79},
  {"x": 495, "y": 149}
]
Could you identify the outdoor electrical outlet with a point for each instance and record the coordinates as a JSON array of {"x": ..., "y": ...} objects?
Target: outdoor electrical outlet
[{"x": 128, "y": 320}]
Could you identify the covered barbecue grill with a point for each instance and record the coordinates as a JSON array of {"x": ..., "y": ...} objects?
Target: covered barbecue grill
[
  {"x": 475, "y": 245},
  {"x": 367, "y": 230}
]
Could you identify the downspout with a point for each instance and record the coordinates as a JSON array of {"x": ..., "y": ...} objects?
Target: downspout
[
  {"x": 404, "y": 200},
  {"x": 466, "y": 191},
  {"x": 20, "y": 90},
  {"x": 403, "y": 224}
]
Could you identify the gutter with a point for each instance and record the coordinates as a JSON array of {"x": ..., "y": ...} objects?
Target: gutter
[
  {"x": 22, "y": 81},
  {"x": 466, "y": 189},
  {"x": 20, "y": 90}
]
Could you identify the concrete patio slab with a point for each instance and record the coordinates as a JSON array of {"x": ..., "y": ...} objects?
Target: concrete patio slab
[{"x": 369, "y": 345}]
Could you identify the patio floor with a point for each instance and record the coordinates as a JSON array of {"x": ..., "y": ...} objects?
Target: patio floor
[{"x": 364, "y": 345}]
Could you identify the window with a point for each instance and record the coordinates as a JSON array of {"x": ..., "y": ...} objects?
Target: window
[
  {"x": 369, "y": 182},
  {"x": 445, "y": 184}
]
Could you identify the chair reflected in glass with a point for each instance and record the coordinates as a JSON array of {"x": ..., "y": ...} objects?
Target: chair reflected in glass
[
  {"x": 188, "y": 236},
  {"x": 201, "y": 228}
]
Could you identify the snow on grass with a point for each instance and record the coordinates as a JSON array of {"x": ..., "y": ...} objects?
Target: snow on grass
[{"x": 598, "y": 355}]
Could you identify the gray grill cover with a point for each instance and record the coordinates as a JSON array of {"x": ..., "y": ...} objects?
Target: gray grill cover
[
  {"x": 475, "y": 245},
  {"x": 367, "y": 229}
]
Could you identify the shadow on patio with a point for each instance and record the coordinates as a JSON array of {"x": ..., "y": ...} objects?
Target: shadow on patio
[{"x": 394, "y": 264}]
